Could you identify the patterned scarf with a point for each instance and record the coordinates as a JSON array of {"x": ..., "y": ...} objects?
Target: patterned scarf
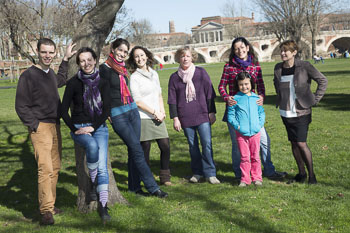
[
  {"x": 186, "y": 76},
  {"x": 91, "y": 96},
  {"x": 243, "y": 63},
  {"x": 119, "y": 67}
]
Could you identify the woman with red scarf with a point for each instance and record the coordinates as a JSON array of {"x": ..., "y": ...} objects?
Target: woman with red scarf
[
  {"x": 126, "y": 120},
  {"x": 242, "y": 59}
]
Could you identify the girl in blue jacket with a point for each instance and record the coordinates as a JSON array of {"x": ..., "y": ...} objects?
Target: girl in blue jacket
[{"x": 247, "y": 117}]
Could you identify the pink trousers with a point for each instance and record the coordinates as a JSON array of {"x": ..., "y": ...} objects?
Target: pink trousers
[{"x": 250, "y": 159}]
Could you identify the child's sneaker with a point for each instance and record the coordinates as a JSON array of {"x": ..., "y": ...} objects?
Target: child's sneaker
[
  {"x": 242, "y": 184},
  {"x": 195, "y": 178},
  {"x": 257, "y": 183}
]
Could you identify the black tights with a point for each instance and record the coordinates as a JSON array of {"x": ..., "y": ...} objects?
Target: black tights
[
  {"x": 164, "y": 147},
  {"x": 303, "y": 155}
]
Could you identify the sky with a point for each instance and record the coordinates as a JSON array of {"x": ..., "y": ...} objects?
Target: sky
[{"x": 185, "y": 13}]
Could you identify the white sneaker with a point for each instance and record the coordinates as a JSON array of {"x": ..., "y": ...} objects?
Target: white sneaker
[
  {"x": 257, "y": 183},
  {"x": 213, "y": 180},
  {"x": 195, "y": 178},
  {"x": 242, "y": 184}
]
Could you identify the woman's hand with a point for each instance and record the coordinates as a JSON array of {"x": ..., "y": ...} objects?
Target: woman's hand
[
  {"x": 177, "y": 124},
  {"x": 212, "y": 118},
  {"x": 159, "y": 116},
  {"x": 260, "y": 101},
  {"x": 231, "y": 101},
  {"x": 85, "y": 130}
]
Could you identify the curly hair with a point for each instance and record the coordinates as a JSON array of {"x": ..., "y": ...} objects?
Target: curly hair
[
  {"x": 131, "y": 63},
  {"x": 182, "y": 51}
]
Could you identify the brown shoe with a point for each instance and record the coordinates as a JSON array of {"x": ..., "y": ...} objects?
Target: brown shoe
[
  {"x": 47, "y": 219},
  {"x": 57, "y": 211}
]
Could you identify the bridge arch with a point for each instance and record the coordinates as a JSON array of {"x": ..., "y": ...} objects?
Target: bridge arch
[{"x": 341, "y": 43}]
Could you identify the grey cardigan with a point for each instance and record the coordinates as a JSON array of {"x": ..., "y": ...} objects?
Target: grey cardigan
[{"x": 303, "y": 74}]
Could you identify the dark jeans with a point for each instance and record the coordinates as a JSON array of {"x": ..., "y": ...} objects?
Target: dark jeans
[{"x": 127, "y": 126}]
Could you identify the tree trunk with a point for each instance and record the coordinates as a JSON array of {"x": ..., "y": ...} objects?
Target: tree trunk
[
  {"x": 92, "y": 32},
  {"x": 84, "y": 204}
]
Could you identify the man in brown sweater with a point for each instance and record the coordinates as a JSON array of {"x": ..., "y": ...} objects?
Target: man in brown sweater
[{"x": 38, "y": 106}]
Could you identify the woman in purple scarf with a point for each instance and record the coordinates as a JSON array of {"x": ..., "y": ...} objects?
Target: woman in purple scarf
[
  {"x": 89, "y": 97},
  {"x": 241, "y": 59}
]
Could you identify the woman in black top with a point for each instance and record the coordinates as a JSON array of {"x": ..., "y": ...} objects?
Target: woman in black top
[{"x": 89, "y": 95}]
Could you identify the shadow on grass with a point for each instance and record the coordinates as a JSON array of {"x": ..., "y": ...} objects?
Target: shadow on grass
[
  {"x": 334, "y": 102},
  {"x": 20, "y": 192}
]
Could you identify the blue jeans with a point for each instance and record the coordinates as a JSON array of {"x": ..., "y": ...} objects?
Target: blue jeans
[
  {"x": 265, "y": 153},
  {"x": 128, "y": 126},
  {"x": 96, "y": 149},
  {"x": 201, "y": 163}
]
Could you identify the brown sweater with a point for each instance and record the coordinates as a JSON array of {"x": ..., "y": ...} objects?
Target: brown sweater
[{"x": 37, "y": 98}]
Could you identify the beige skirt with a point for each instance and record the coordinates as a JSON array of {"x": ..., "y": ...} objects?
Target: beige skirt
[{"x": 152, "y": 129}]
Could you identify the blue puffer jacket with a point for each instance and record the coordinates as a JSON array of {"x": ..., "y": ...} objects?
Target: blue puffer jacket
[{"x": 247, "y": 117}]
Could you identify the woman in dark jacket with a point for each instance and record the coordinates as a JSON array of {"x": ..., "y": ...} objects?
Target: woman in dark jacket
[
  {"x": 292, "y": 80},
  {"x": 89, "y": 96},
  {"x": 126, "y": 120}
]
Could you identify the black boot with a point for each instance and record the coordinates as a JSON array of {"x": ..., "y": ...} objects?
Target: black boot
[
  {"x": 103, "y": 212},
  {"x": 93, "y": 190}
]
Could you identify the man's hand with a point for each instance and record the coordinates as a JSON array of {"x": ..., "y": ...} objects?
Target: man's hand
[{"x": 69, "y": 51}]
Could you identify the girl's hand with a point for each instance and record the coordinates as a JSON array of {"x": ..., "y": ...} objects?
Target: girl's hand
[
  {"x": 177, "y": 124},
  {"x": 260, "y": 101},
  {"x": 231, "y": 101}
]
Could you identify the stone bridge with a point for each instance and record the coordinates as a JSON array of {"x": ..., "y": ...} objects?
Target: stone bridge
[{"x": 266, "y": 47}]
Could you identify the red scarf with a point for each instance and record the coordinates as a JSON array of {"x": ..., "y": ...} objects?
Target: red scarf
[{"x": 119, "y": 67}]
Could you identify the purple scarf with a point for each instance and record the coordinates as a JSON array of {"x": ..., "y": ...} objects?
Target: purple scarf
[
  {"x": 243, "y": 63},
  {"x": 91, "y": 95}
]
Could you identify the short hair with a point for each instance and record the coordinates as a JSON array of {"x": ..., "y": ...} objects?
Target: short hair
[
  {"x": 119, "y": 41},
  {"x": 241, "y": 76},
  {"x": 246, "y": 43},
  {"x": 85, "y": 50},
  {"x": 182, "y": 51},
  {"x": 132, "y": 63},
  {"x": 289, "y": 45},
  {"x": 45, "y": 41}
]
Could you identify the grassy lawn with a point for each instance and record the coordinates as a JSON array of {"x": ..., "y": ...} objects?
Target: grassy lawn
[{"x": 274, "y": 207}]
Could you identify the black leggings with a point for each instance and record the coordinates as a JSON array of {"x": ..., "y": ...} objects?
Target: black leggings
[{"x": 164, "y": 147}]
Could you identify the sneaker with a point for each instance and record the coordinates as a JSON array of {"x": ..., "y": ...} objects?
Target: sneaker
[
  {"x": 213, "y": 180},
  {"x": 242, "y": 184},
  {"x": 257, "y": 183},
  {"x": 277, "y": 175},
  {"x": 47, "y": 218},
  {"x": 159, "y": 193},
  {"x": 195, "y": 178},
  {"x": 103, "y": 212}
]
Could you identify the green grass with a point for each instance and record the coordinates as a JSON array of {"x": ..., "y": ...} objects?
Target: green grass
[{"x": 275, "y": 207}]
